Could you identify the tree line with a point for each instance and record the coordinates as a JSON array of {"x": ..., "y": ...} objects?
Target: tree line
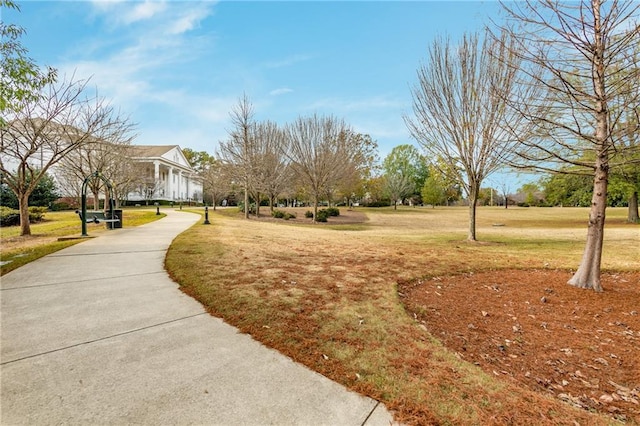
[{"x": 553, "y": 87}]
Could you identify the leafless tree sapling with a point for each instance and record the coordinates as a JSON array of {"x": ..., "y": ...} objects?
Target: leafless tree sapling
[
  {"x": 459, "y": 110},
  {"x": 581, "y": 54}
]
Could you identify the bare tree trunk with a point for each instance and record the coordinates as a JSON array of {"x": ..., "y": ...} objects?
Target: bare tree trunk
[
  {"x": 588, "y": 274},
  {"x": 96, "y": 199},
  {"x": 632, "y": 215},
  {"x": 23, "y": 205},
  {"x": 246, "y": 203},
  {"x": 257, "y": 204},
  {"x": 473, "y": 201}
]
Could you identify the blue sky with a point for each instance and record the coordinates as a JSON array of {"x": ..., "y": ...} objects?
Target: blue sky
[{"x": 178, "y": 67}]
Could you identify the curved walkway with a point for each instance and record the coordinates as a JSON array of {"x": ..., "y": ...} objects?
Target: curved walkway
[{"x": 99, "y": 334}]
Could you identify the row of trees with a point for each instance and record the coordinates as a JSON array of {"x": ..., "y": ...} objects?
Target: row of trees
[
  {"x": 315, "y": 159},
  {"x": 555, "y": 87},
  {"x": 318, "y": 157}
]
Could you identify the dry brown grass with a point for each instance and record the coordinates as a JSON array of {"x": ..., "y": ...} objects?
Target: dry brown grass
[{"x": 327, "y": 296}]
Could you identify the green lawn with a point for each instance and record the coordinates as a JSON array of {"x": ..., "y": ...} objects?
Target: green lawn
[{"x": 16, "y": 251}]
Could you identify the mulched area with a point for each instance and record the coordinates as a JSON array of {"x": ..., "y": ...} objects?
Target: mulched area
[
  {"x": 346, "y": 217},
  {"x": 532, "y": 328}
]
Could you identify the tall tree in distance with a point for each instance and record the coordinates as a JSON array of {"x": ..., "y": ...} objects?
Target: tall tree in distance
[
  {"x": 363, "y": 165},
  {"x": 318, "y": 152},
  {"x": 238, "y": 152},
  {"x": 582, "y": 55},
  {"x": 405, "y": 171},
  {"x": 397, "y": 187},
  {"x": 199, "y": 160},
  {"x": 459, "y": 110},
  {"x": 272, "y": 166}
]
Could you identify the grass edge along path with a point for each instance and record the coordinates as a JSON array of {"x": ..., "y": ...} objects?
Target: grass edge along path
[
  {"x": 353, "y": 331},
  {"x": 18, "y": 251}
]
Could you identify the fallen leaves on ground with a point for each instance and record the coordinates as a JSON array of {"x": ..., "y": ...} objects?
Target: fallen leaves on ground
[{"x": 530, "y": 327}]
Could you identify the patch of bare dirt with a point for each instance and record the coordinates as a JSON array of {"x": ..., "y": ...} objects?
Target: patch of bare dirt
[
  {"x": 530, "y": 327},
  {"x": 25, "y": 242}
]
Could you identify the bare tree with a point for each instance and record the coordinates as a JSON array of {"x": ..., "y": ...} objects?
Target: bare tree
[
  {"x": 239, "y": 150},
  {"x": 216, "y": 181},
  {"x": 363, "y": 163},
  {"x": 145, "y": 183},
  {"x": 398, "y": 186},
  {"x": 318, "y": 152},
  {"x": 459, "y": 110},
  {"x": 581, "y": 53},
  {"x": 272, "y": 171},
  {"x": 628, "y": 133},
  {"x": 123, "y": 173},
  {"x": 112, "y": 159},
  {"x": 43, "y": 129}
]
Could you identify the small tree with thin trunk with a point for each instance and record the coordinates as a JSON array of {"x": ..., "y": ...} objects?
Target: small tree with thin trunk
[
  {"x": 112, "y": 159},
  {"x": 582, "y": 55},
  {"x": 238, "y": 152},
  {"x": 405, "y": 170},
  {"x": 397, "y": 187},
  {"x": 459, "y": 109},
  {"x": 216, "y": 181},
  {"x": 273, "y": 173}
]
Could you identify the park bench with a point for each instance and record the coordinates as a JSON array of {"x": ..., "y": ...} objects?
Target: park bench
[{"x": 97, "y": 217}]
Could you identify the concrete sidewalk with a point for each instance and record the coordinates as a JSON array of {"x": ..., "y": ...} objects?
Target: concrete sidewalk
[{"x": 99, "y": 334}]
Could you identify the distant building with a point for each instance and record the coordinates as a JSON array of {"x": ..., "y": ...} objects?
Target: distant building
[{"x": 166, "y": 175}]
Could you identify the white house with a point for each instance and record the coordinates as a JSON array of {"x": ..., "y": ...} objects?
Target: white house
[{"x": 169, "y": 175}]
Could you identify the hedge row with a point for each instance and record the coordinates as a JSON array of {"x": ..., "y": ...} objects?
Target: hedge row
[{"x": 11, "y": 217}]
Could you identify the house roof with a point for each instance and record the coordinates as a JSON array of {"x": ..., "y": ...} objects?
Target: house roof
[{"x": 151, "y": 150}]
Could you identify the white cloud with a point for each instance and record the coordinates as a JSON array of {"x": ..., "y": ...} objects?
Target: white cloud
[
  {"x": 163, "y": 16},
  {"x": 139, "y": 71},
  {"x": 280, "y": 91},
  {"x": 189, "y": 19},
  {"x": 144, "y": 11},
  {"x": 130, "y": 69},
  {"x": 122, "y": 12}
]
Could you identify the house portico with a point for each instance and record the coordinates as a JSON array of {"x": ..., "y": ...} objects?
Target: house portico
[{"x": 167, "y": 175}]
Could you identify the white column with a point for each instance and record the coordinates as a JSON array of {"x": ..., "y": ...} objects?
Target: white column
[
  {"x": 187, "y": 181},
  {"x": 170, "y": 179},
  {"x": 180, "y": 185},
  {"x": 158, "y": 185}
]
